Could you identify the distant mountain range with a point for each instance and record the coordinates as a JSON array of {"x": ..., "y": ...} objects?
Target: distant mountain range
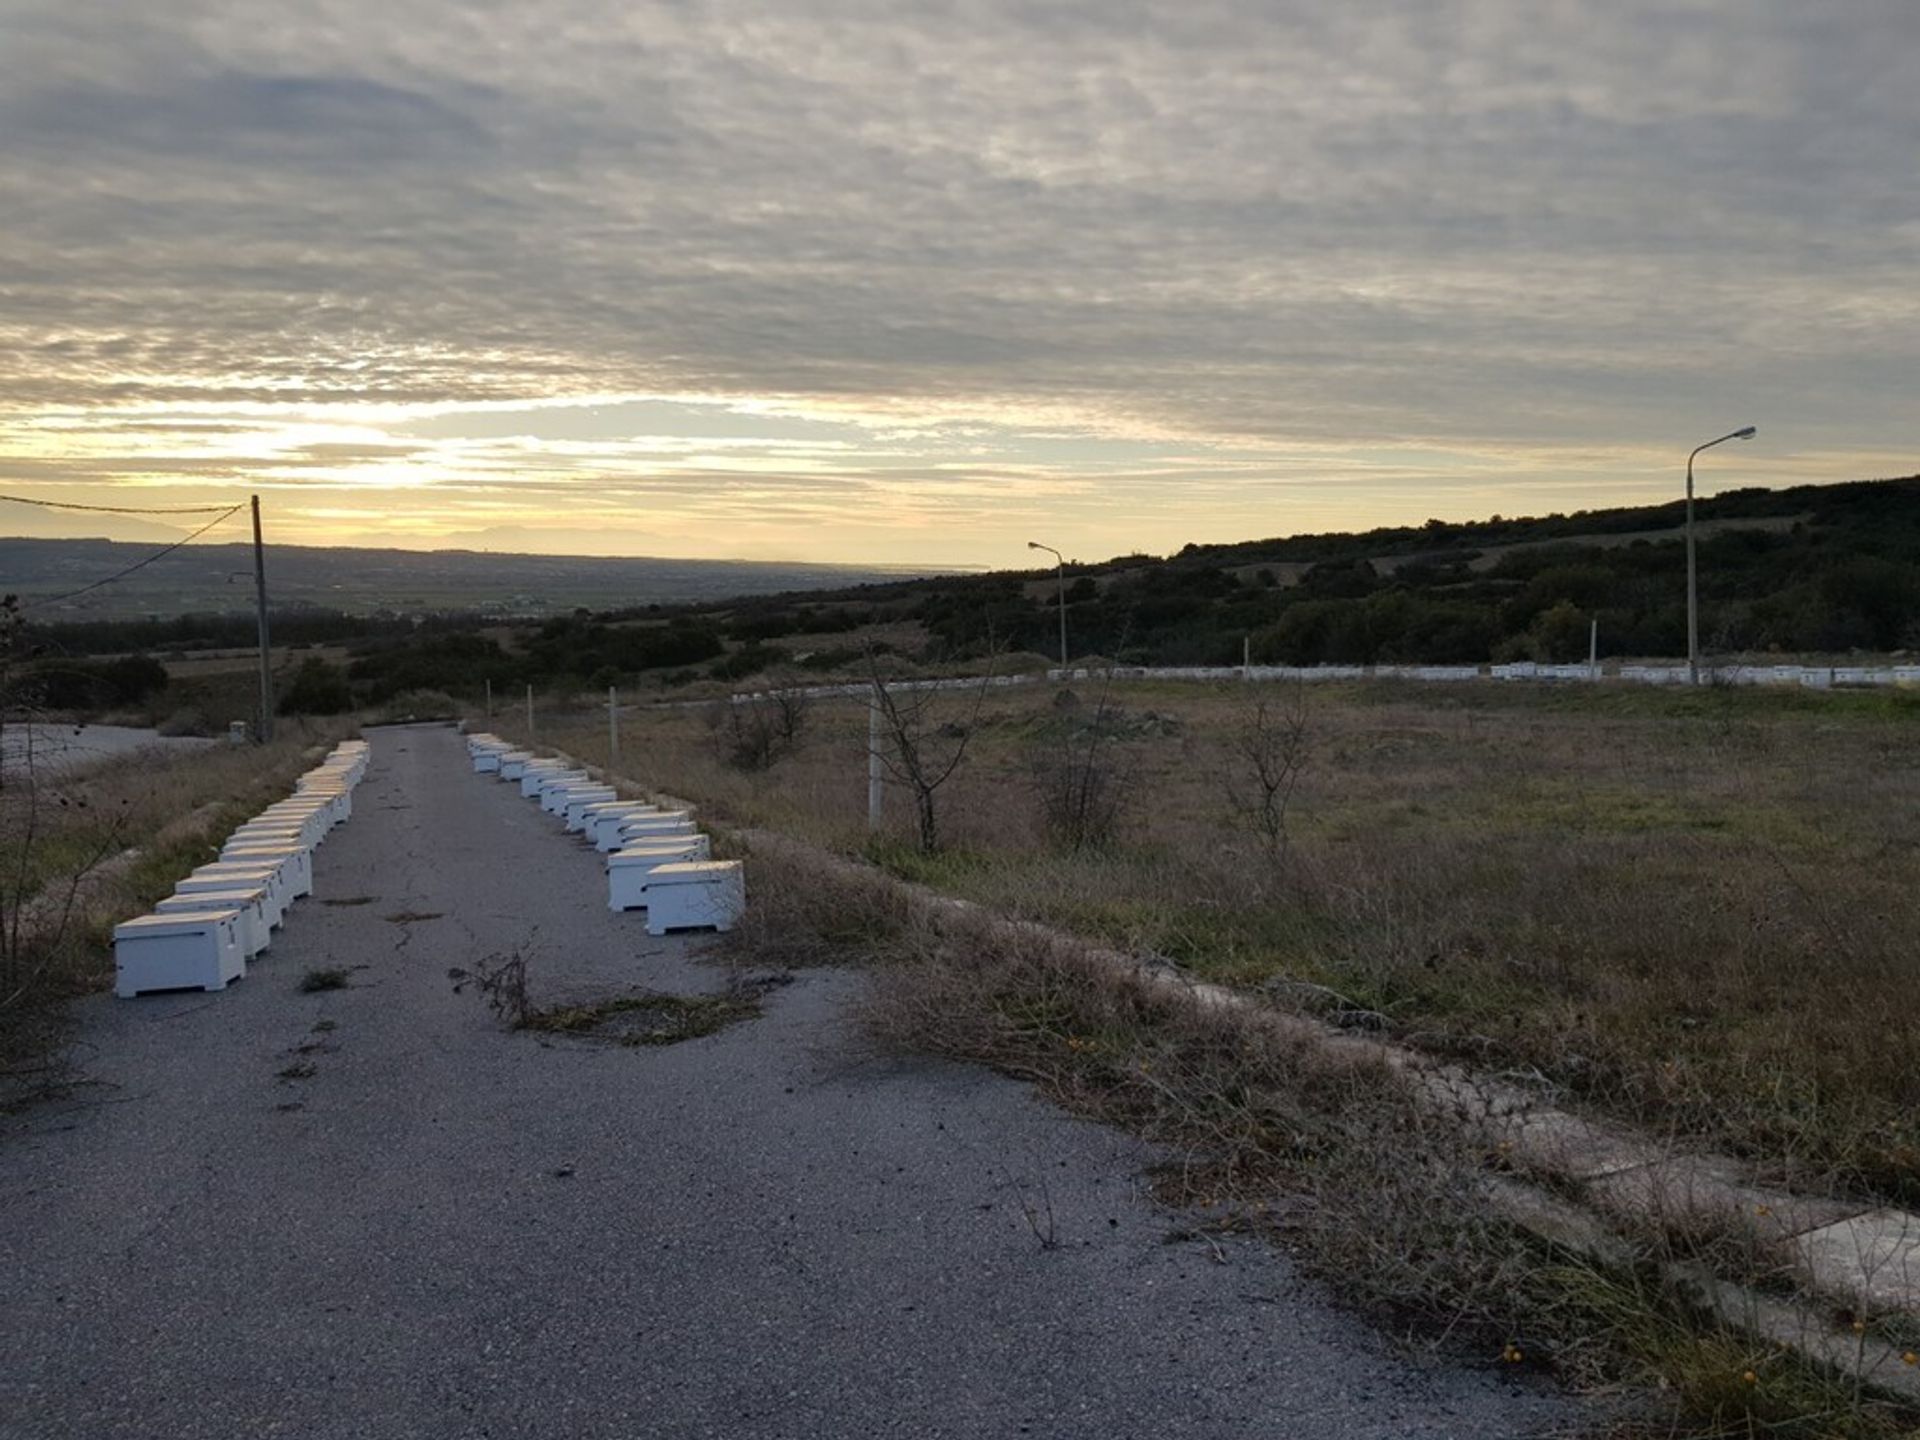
[{"x": 218, "y": 579}]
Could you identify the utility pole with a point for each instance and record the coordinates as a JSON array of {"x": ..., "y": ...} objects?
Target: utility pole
[
  {"x": 529, "y": 712},
  {"x": 613, "y": 727},
  {"x": 263, "y": 732}
]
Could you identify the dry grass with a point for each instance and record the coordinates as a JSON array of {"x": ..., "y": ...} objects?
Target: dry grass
[{"x": 1691, "y": 909}]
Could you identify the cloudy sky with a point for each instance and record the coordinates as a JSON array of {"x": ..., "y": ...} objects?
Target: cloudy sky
[{"x": 881, "y": 280}]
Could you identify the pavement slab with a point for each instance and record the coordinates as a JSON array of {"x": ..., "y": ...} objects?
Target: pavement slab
[{"x": 377, "y": 1212}]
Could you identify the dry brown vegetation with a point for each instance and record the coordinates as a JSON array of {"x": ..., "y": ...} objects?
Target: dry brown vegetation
[{"x": 1693, "y": 909}]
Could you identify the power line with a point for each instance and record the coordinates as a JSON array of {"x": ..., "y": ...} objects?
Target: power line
[
  {"x": 138, "y": 564},
  {"x": 118, "y": 509}
]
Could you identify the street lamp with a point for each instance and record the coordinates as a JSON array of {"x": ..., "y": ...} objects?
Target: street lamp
[
  {"x": 1746, "y": 432},
  {"x": 1036, "y": 545}
]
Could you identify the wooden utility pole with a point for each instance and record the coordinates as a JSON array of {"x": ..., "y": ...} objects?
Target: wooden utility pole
[{"x": 263, "y": 731}]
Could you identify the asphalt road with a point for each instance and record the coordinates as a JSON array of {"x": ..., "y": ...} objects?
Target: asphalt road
[{"x": 450, "y": 1229}]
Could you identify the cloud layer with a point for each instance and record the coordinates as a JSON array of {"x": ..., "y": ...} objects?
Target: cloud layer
[{"x": 829, "y": 279}]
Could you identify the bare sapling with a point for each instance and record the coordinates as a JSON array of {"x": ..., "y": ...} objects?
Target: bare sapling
[
  {"x": 1082, "y": 788},
  {"x": 915, "y": 747},
  {"x": 1271, "y": 743},
  {"x": 754, "y": 732}
]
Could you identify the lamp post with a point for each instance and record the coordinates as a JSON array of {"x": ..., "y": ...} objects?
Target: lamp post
[
  {"x": 1036, "y": 545},
  {"x": 1746, "y": 432}
]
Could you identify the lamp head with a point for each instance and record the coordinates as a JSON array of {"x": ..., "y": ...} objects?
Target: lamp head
[
  {"x": 1033, "y": 544},
  {"x": 1745, "y": 434}
]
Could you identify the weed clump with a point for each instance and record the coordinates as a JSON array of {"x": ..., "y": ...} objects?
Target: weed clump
[
  {"x": 649, "y": 1017},
  {"x": 644, "y": 1017},
  {"x": 324, "y": 978}
]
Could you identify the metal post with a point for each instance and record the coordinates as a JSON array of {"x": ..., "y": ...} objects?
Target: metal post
[
  {"x": 264, "y": 731},
  {"x": 1246, "y": 657},
  {"x": 489, "y": 699},
  {"x": 613, "y": 726},
  {"x": 1063, "y": 614},
  {"x": 876, "y": 778},
  {"x": 1693, "y": 595},
  {"x": 1593, "y": 649},
  {"x": 1036, "y": 545},
  {"x": 529, "y": 712}
]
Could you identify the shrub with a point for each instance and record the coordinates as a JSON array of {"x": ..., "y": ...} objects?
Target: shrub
[{"x": 318, "y": 688}]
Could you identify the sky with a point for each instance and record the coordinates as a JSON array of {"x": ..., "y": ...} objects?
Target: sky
[{"x": 879, "y": 281}]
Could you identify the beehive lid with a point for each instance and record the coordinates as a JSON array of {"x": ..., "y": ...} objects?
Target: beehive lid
[
  {"x": 692, "y": 872},
  {"x": 196, "y": 922},
  {"x": 214, "y": 899},
  {"x": 650, "y": 855}
]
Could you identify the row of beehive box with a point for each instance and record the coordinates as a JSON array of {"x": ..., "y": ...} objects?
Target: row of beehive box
[
  {"x": 224, "y": 914},
  {"x": 657, "y": 860}
]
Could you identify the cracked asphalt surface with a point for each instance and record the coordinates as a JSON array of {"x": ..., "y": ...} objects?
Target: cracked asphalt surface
[{"x": 450, "y": 1229}]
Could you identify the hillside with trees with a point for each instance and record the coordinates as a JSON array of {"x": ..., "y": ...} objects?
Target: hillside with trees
[{"x": 1827, "y": 570}]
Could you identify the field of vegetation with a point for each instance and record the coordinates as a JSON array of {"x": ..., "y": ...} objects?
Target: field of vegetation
[{"x": 1692, "y": 909}]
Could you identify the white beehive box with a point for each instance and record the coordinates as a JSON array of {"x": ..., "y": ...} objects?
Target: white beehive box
[
  {"x": 579, "y": 800},
  {"x": 295, "y": 863},
  {"x": 314, "y": 822},
  {"x": 337, "y": 798},
  {"x": 662, "y": 824},
  {"x": 696, "y": 895},
  {"x": 513, "y": 764},
  {"x": 260, "y": 891},
  {"x": 627, "y": 870},
  {"x": 248, "y": 905},
  {"x": 548, "y": 782},
  {"x": 604, "y": 825},
  {"x": 198, "y": 951},
  {"x": 533, "y": 780},
  {"x": 232, "y": 873}
]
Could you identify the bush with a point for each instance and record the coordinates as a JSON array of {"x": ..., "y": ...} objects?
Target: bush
[
  {"x": 317, "y": 689},
  {"x": 748, "y": 660},
  {"x": 187, "y": 722}
]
